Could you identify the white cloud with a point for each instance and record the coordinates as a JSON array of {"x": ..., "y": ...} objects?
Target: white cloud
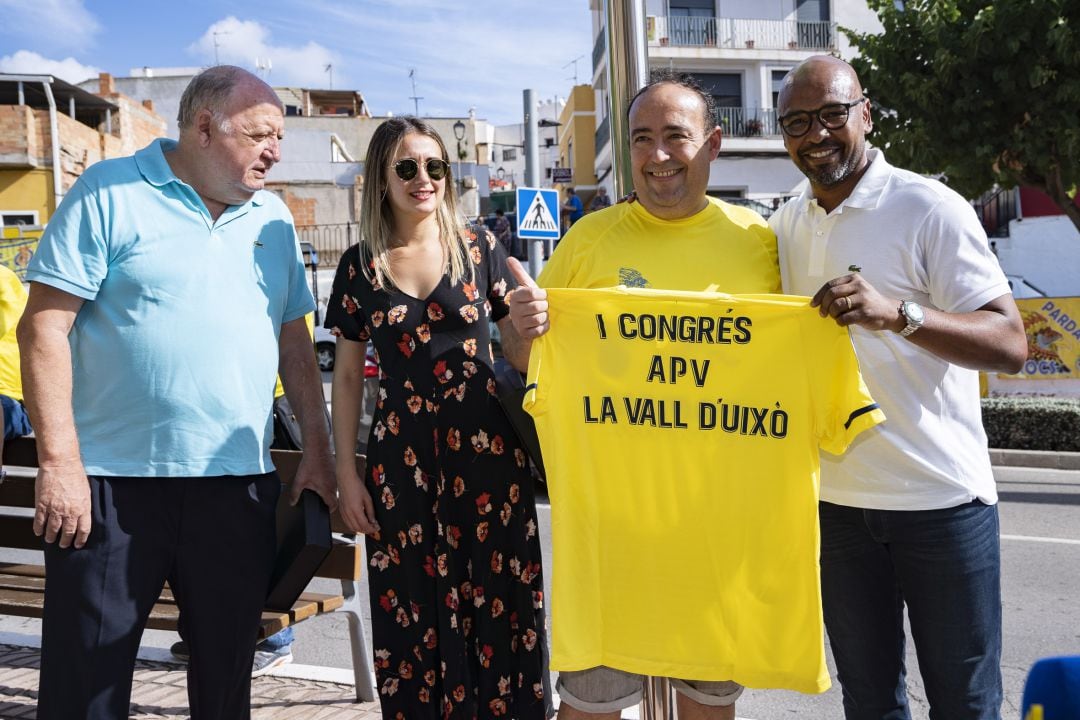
[
  {"x": 30, "y": 63},
  {"x": 56, "y": 24},
  {"x": 480, "y": 54},
  {"x": 243, "y": 42}
]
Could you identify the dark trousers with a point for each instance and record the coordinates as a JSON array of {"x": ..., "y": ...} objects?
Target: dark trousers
[
  {"x": 212, "y": 539},
  {"x": 945, "y": 567}
]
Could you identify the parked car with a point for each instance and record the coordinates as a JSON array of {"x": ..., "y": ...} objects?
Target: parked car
[{"x": 325, "y": 345}]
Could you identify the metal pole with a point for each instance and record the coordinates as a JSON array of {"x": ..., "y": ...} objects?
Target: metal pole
[
  {"x": 628, "y": 70},
  {"x": 54, "y": 134},
  {"x": 532, "y": 175},
  {"x": 656, "y": 699}
]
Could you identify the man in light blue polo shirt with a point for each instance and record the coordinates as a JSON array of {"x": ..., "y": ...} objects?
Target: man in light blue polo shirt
[{"x": 166, "y": 294}]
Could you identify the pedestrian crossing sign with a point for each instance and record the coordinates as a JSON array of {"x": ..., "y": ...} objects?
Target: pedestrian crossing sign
[{"x": 537, "y": 213}]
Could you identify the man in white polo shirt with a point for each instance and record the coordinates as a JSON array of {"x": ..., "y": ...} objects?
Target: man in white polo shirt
[{"x": 908, "y": 514}]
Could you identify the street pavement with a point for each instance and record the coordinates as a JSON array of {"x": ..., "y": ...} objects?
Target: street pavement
[
  {"x": 1040, "y": 545},
  {"x": 160, "y": 691}
]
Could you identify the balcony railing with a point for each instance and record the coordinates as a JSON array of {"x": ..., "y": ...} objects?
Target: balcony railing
[
  {"x": 603, "y": 133},
  {"x": 330, "y": 241},
  {"x": 749, "y": 33},
  {"x": 747, "y": 122},
  {"x": 762, "y": 206},
  {"x": 995, "y": 209},
  {"x": 599, "y": 48}
]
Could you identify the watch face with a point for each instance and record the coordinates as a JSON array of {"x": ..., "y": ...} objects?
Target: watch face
[{"x": 913, "y": 312}]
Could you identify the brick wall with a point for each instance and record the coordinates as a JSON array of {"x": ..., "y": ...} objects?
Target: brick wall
[
  {"x": 302, "y": 209},
  {"x": 138, "y": 125},
  {"x": 18, "y": 146}
]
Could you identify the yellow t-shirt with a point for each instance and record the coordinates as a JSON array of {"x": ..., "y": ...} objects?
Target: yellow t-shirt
[
  {"x": 724, "y": 248},
  {"x": 680, "y": 433},
  {"x": 12, "y": 304},
  {"x": 279, "y": 389}
]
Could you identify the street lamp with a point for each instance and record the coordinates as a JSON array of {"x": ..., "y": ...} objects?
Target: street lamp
[{"x": 459, "y": 133}]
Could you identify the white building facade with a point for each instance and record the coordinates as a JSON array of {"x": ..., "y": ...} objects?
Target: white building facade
[
  {"x": 739, "y": 51},
  {"x": 507, "y": 143}
]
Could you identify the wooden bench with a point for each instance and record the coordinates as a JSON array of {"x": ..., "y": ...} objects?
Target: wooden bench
[{"x": 22, "y": 585}]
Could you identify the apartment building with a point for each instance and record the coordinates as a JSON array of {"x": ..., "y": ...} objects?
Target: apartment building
[{"x": 739, "y": 50}]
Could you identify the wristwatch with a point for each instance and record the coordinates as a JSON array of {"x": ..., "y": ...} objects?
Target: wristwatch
[{"x": 913, "y": 314}]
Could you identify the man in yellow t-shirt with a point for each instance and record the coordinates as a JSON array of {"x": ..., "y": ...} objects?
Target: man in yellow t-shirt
[
  {"x": 12, "y": 302},
  {"x": 671, "y": 236}
]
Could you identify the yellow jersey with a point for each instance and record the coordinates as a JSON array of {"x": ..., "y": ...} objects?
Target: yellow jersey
[
  {"x": 12, "y": 303},
  {"x": 722, "y": 248},
  {"x": 279, "y": 389},
  {"x": 680, "y": 432}
]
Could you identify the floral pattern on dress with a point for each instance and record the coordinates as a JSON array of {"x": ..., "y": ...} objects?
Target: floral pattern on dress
[{"x": 456, "y": 585}]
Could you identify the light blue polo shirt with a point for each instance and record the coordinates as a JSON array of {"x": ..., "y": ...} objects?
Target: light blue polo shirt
[{"x": 175, "y": 350}]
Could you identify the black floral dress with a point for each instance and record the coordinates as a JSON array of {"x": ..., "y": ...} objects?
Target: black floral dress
[{"x": 456, "y": 586}]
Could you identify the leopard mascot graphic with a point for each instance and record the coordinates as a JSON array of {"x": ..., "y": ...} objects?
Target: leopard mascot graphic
[{"x": 1042, "y": 341}]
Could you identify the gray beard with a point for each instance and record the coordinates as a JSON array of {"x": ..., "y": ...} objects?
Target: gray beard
[{"x": 828, "y": 177}]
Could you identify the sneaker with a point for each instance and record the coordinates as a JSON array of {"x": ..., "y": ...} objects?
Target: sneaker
[
  {"x": 264, "y": 662},
  {"x": 181, "y": 651},
  {"x": 267, "y": 660}
]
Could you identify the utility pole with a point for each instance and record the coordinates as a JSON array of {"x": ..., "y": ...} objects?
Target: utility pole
[
  {"x": 532, "y": 176},
  {"x": 416, "y": 100},
  {"x": 628, "y": 71}
]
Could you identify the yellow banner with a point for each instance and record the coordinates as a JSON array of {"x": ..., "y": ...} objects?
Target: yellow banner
[
  {"x": 1053, "y": 334},
  {"x": 16, "y": 249}
]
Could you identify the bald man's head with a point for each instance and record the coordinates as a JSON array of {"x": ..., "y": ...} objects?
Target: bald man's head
[
  {"x": 826, "y": 73},
  {"x": 825, "y": 117}
]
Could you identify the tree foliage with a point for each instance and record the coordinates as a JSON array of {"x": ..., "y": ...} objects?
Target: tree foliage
[{"x": 983, "y": 92}]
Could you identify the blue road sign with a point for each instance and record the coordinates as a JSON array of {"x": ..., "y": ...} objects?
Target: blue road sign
[{"x": 537, "y": 213}]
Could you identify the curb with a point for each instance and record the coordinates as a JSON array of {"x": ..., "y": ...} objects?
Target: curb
[{"x": 1035, "y": 459}]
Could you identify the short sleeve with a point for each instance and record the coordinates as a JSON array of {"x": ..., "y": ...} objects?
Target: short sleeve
[
  {"x": 962, "y": 271},
  {"x": 345, "y": 316},
  {"x": 73, "y": 254},
  {"x": 500, "y": 281},
  {"x": 842, "y": 404}
]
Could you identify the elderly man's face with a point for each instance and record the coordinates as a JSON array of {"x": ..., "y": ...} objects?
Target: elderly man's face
[
  {"x": 243, "y": 152},
  {"x": 670, "y": 151}
]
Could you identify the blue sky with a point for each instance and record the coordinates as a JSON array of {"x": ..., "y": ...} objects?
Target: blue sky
[{"x": 466, "y": 53}]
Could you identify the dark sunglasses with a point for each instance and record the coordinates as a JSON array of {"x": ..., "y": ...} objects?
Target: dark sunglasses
[{"x": 407, "y": 168}]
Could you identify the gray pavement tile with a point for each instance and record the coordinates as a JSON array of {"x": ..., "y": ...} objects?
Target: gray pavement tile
[{"x": 160, "y": 693}]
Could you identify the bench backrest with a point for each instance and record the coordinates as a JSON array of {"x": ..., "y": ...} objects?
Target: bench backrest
[{"x": 16, "y": 530}]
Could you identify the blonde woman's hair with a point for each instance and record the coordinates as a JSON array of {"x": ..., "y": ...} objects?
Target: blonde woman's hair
[{"x": 377, "y": 215}]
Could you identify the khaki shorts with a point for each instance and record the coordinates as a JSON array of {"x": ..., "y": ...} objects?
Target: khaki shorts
[{"x": 605, "y": 690}]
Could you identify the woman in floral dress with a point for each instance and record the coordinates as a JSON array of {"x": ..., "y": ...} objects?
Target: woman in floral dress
[{"x": 447, "y": 502}]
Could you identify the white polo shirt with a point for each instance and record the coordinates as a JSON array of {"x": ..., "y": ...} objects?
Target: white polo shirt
[{"x": 914, "y": 239}]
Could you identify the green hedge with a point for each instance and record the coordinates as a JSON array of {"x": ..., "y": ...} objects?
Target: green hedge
[{"x": 1032, "y": 423}]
